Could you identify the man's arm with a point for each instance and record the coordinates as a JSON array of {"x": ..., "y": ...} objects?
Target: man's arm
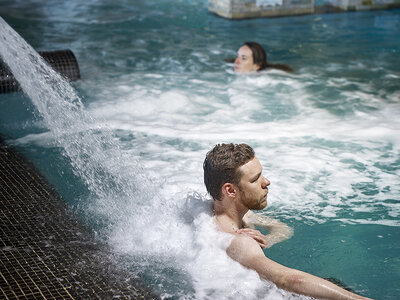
[
  {"x": 247, "y": 252},
  {"x": 278, "y": 231}
]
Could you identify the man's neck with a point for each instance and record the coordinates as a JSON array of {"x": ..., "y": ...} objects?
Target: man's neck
[{"x": 228, "y": 216}]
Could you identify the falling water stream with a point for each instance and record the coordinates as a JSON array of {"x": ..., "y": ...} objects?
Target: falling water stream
[{"x": 85, "y": 144}]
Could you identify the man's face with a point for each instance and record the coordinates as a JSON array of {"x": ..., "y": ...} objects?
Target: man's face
[{"x": 253, "y": 186}]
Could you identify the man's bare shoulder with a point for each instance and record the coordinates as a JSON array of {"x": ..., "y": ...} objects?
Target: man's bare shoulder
[
  {"x": 248, "y": 252},
  {"x": 243, "y": 248}
]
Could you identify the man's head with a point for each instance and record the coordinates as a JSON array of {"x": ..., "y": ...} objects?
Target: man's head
[{"x": 222, "y": 165}]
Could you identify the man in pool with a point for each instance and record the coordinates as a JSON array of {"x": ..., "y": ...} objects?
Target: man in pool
[{"x": 233, "y": 177}]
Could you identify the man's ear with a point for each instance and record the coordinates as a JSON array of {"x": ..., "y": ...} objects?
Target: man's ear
[{"x": 229, "y": 190}]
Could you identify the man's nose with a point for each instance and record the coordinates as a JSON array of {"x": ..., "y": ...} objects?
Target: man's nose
[
  {"x": 265, "y": 183},
  {"x": 236, "y": 60}
]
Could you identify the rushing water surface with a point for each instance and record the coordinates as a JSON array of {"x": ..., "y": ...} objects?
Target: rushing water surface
[{"x": 125, "y": 145}]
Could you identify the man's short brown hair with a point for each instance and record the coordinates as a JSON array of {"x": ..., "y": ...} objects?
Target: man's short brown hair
[{"x": 221, "y": 166}]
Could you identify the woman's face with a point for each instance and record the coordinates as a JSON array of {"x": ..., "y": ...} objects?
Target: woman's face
[{"x": 244, "y": 62}]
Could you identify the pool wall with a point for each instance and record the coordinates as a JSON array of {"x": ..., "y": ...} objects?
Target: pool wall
[{"x": 242, "y": 9}]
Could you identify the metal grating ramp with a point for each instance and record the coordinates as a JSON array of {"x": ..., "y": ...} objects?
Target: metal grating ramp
[{"x": 45, "y": 252}]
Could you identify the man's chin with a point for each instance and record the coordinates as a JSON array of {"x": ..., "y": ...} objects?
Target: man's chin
[{"x": 263, "y": 204}]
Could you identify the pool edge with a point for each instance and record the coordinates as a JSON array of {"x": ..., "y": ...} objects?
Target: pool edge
[{"x": 46, "y": 253}]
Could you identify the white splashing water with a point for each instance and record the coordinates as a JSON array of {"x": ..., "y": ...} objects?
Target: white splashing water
[{"x": 319, "y": 164}]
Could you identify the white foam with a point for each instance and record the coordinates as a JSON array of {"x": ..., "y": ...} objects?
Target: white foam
[{"x": 313, "y": 157}]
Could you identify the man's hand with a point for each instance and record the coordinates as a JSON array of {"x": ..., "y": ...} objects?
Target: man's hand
[
  {"x": 278, "y": 231},
  {"x": 256, "y": 235}
]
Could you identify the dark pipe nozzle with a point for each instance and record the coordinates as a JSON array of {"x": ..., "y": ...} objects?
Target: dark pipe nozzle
[{"x": 62, "y": 61}]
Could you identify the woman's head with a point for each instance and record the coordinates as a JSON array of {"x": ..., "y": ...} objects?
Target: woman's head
[{"x": 251, "y": 57}]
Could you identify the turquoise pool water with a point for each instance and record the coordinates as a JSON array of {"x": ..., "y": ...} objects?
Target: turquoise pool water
[{"x": 157, "y": 95}]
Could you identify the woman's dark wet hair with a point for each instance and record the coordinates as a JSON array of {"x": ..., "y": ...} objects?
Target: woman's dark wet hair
[{"x": 260, "y": 58}]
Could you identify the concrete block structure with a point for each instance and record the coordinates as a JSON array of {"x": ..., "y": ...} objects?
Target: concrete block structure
[
  {"x": 242, "y": 9},
  {"x": 354, "y": 5}
]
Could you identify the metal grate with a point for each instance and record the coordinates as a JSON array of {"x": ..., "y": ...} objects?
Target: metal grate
[
  {"x": 45, "y": 253},
  {"x": 62, "y": 61}
]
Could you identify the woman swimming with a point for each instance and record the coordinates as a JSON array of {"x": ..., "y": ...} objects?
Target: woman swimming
[{"x": 252, "y": 57}]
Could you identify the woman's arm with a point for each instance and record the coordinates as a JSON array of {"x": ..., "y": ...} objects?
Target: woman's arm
[{"x": 278, "y": 231}]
